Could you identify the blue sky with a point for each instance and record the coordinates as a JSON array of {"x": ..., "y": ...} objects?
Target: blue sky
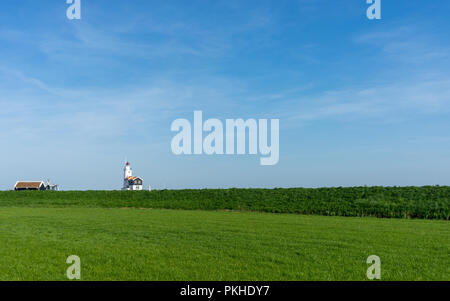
[{"x": 360, "y": 102}]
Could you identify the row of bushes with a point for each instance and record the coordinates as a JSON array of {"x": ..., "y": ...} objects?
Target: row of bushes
[{"x": 428, "y": 202}]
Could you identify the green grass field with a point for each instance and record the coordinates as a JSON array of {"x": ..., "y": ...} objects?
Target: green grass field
[{"x": 158, "y": 244}]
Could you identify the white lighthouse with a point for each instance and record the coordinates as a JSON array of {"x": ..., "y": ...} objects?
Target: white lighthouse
[{"x": 130, "y": 182}]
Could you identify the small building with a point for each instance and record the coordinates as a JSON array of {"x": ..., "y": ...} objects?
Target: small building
[
  {"x": 35, "y": 185},
  {"x": 30, "y": 185},
  {"x": 51, "y": 186},
  {"x": 130, "y": 182}
]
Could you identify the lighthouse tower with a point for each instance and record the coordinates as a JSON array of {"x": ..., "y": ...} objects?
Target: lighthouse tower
[
  {"x": 127, "y": 171},
  {"x": 130, "y": 182}
]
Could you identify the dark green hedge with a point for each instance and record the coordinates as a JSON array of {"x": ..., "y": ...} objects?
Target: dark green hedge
[{"x": 428, "y": 202}]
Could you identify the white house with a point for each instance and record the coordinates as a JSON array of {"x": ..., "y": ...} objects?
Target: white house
[{"x": 130, "y": 182}]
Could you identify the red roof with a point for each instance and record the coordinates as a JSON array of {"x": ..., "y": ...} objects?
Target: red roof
[{"x": 28, "y": 185}]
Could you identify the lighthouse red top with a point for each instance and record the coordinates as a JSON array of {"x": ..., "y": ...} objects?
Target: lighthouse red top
[{"x": 128, "y": 163}]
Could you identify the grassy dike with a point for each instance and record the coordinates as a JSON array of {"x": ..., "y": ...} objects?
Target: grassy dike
[{"x": 428, "y": 202}]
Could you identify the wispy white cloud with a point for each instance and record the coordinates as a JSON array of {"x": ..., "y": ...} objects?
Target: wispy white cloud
[
  {"x": 389, "y": 102},
  {"x": 417, "y": 85},
  {"x": 104, "y": 113},
  {"x": 408, "y": 44}
]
